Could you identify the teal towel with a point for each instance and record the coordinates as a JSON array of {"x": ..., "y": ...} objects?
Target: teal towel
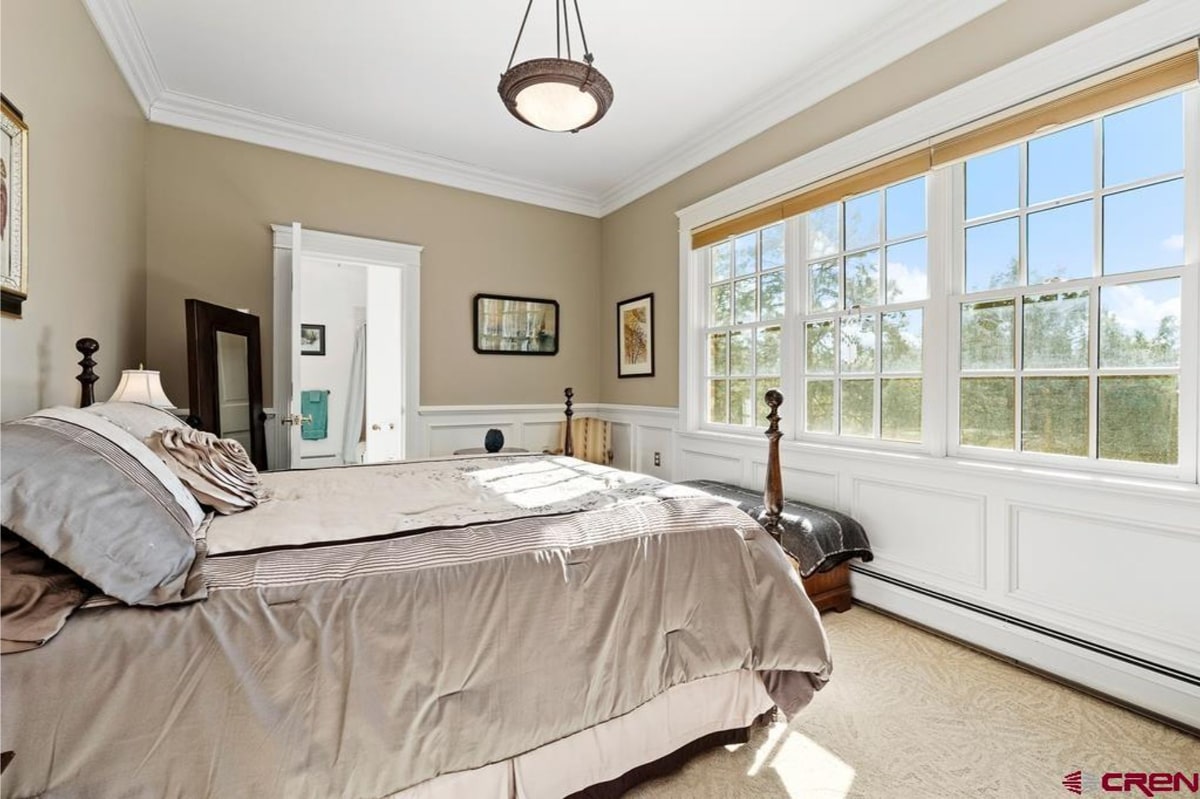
[{"x": 315, "y": 404}]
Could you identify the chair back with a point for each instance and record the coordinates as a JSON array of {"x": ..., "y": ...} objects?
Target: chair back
[{"x": 592, "y": 439}]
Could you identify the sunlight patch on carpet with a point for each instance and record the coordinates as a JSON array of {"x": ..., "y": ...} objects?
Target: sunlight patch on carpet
[{"x": 810, "y": 770}]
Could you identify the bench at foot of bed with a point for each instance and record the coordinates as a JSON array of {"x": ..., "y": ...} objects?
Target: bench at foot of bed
[
  {"x": 820, "y": 542},
  {"x": 830, "y": 590}
]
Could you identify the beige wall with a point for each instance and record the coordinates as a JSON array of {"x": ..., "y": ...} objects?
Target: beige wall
[
  {"x": 86, "y": 206},
  {"x": 211, "y": 202},
  {"x": 640, "y": 242},
  {"x": 129, "y": 219}
]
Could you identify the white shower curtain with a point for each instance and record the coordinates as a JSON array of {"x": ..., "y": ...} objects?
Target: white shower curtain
[{"x": 357, "y": 398}]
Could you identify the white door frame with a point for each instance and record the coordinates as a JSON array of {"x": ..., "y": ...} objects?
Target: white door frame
[{"x": 349, "y": 250}]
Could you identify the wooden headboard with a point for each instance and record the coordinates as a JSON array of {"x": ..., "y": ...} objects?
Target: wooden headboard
[{"x": 87, "y": 378}]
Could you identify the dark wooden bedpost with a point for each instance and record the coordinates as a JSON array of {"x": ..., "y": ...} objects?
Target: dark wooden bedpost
[
  {"x": 87, "y": 378},
  {"x": 773, "y": 493},
  {"x": 568, "y": 441}
]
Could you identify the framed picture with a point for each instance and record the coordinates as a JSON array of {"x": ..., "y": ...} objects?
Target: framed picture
[
  {"x": 635, "y": 337},
  {"x": 312, "y": 339},
  {"x": 515, "y": 325},
  {"x": 14, "y": 182}
]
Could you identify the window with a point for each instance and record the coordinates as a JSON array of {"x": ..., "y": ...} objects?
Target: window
[
  {"x": 1072, "y": 284},
  {"x": 744, "y": 335},
  {"x": 1021, "y": 289},
  {"x": 866, "y": 286}
]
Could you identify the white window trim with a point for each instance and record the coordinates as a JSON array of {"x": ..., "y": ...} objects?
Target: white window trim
[
  {"x": 1185, "y": 470},
  {"x": 1143, "y": 31},
  {"x": 785, "y": 322},
  {"x": 801, "y": 316},
  {"x": 794, "y": 377}
]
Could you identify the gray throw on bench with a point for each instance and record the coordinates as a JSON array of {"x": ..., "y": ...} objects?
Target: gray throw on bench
[{"x": 819, "y": 538}]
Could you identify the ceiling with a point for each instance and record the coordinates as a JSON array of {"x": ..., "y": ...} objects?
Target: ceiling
[{"x": 409, "y": 86}]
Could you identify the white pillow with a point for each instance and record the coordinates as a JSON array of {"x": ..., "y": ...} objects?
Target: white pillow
[{"x": 135, "y": 418}]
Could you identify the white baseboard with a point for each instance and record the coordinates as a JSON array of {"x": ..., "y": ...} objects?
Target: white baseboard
[{"x": 1159, "y": 694}]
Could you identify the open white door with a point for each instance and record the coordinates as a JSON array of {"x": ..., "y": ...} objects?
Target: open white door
[
  {"x": 294, "y": 418},
  {"x": 385, "y": 366},
  {"x": 314, "y": 286}
]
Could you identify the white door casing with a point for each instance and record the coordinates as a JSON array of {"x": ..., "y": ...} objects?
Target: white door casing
[{"x": 406, "y": 258}]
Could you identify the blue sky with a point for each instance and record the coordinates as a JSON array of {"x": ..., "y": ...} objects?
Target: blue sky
[{"x": 1143, "y": 227}]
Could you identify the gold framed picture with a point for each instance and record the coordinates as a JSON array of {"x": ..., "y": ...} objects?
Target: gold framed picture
[
  {"x": 635, "y": 337},
  {"x": 14, "y": 194}
]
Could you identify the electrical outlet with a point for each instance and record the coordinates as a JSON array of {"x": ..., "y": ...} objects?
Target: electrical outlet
[{"x": 658, "y": 459}]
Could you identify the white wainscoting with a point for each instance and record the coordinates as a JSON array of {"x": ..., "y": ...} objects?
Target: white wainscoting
[
  {"x": 446, "y": 428},
  {"x": 638, "y": 432},
  {"x": 1031, "y": 564}
]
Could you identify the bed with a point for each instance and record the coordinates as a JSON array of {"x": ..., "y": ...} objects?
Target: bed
[{"x": 505, "y": 626}]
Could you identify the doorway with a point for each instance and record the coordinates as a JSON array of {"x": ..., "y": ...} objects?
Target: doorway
[{"x": 346, "y": 350}]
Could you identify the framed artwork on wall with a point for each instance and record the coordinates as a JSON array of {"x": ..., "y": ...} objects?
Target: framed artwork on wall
[
  {"x": 14, "y": 182},
  {"x": 312, "y": 339},
  {"x": 506, "y": 325},
  {"x": 635, "y": 337}
]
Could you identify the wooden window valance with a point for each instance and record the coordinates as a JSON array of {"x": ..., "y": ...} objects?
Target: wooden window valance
[{"x": 1171, "y": 69}]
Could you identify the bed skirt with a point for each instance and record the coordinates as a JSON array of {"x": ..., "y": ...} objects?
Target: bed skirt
[{"x": 701, "y": 709}]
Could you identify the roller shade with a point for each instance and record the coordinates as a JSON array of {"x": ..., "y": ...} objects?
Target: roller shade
[
  {"x": 894, "y": 171},
  {"x": 739, "y": 224},
  {"x": 1174, "y": 68},
  {"x": 1163, "y": 76}
]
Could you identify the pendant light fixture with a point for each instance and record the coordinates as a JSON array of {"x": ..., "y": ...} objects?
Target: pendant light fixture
[{"x": 556, "y": 94}]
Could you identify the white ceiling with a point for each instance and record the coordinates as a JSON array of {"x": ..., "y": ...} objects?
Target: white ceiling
[{"x": 409, "y": 86}]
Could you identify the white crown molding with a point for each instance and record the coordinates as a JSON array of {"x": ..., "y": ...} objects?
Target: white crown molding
[
  {"x": 205, "y": 116},
  {"x": 1151, "y": 26},
  {"x": 338, "y": 246},
  {"x": 895, "y": 36},
  {"x": 119, "y": 29}
]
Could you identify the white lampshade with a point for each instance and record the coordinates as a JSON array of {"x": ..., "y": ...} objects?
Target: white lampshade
[{"x": 141, "y": 385}]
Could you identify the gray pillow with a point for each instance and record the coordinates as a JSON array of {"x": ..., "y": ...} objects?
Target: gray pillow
[
  {"x": 135, "y": 418},
  {"x": 94, "y": 498}
]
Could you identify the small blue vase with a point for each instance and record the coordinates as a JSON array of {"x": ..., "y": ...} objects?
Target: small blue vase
[{"x": 493, "y": 441}]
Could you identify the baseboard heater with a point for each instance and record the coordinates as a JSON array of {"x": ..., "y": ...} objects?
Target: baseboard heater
[{"x": 1133, "y": 660}]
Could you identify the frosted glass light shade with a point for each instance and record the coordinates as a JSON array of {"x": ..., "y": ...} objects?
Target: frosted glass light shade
[
  {"x": 556, "y": 94},
  {"x": 141, "y": 385},
  {"x": 556, "y": 106}
]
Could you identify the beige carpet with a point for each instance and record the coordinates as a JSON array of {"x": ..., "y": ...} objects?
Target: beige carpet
[{"x": 909, "y": 714}]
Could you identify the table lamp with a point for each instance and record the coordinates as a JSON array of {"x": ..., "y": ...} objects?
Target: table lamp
[{"x": 141, "y": 385}]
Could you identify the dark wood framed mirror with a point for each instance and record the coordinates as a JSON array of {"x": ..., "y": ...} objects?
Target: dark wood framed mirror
[{"x": 225, "y": 375}]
